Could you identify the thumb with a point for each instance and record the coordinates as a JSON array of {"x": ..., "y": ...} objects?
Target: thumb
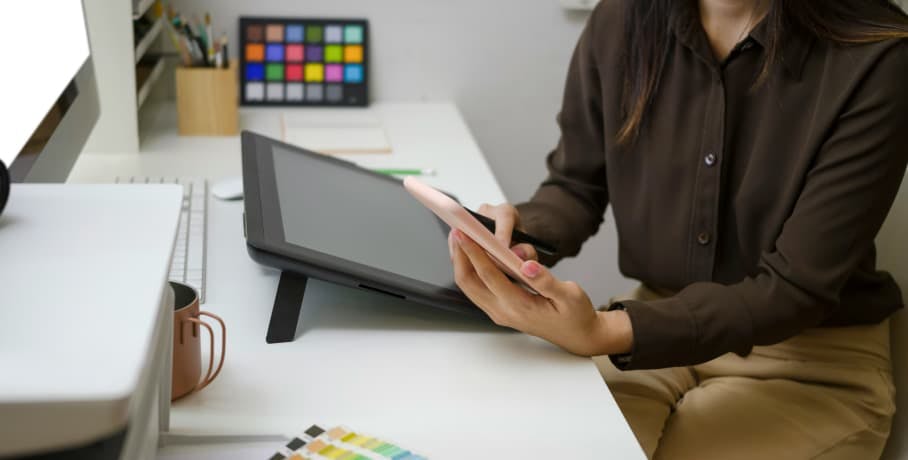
[{"x": 541, "y": 279}]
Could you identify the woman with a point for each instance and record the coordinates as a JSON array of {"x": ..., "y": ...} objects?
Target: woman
[{"x": 750, "y": 151}]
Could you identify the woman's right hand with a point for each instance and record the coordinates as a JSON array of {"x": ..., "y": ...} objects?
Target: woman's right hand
[{"x": 506, "y": 220}]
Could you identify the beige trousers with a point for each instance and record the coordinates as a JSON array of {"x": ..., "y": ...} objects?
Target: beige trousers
[{"x": 824, "y": 394}]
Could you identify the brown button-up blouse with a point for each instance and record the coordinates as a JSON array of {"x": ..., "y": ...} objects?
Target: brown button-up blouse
[{"x": 759, "y": 204}]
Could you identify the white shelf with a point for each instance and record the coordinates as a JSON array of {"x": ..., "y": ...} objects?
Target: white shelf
[
  {"x": 141, "y": 8},
  {"x": 149, "y": 82},
  {"x": 149, "y": 38}
]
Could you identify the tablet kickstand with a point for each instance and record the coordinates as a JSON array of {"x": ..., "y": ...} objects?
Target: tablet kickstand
[{"x": 287, "y": 305}]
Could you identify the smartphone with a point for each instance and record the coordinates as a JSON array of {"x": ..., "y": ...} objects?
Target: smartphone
[{"x": 456, "y": 216}]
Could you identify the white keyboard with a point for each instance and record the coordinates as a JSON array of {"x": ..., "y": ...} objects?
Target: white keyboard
[{"x": 190, "y": 251}]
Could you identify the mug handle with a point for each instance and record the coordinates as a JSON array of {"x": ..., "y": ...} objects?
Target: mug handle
[{"x": 208, "y": 375}]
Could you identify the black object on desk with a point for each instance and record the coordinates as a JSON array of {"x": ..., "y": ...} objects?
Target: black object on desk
[
  {"x": 4, "y": 186},
  {"x": 287, "y": 305}
]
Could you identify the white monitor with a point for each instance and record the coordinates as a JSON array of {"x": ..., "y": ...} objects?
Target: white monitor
[{"x": 47, "y": 88}]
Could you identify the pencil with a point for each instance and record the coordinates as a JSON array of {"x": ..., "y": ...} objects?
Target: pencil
[{"x": 406, "y": 172}]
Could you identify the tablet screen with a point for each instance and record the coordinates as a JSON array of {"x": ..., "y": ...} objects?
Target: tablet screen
[{"x": 371, "y": 222}]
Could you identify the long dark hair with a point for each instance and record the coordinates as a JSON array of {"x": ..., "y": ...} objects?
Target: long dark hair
[{"x": 648, "y": 36}]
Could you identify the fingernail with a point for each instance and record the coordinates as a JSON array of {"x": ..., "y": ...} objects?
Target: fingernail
[
  {"x": 531, "y": 269},
  {"x": 458, "y": 235},
  {"x": 519, "y": 251}
]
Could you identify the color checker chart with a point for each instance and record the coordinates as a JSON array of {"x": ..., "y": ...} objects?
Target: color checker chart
[
  {"x": 340, "y": 443},
  {"x": 304, "y": 61}
]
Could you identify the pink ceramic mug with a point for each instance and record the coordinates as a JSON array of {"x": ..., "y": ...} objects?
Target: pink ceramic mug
[{"x": 187, "y": 343}]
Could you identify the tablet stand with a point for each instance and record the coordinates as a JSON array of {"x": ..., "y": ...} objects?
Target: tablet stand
[{"x": 287, "y": 305}]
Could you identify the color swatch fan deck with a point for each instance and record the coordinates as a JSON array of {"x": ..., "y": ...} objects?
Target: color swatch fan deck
[{"x": 320, "y": 62}]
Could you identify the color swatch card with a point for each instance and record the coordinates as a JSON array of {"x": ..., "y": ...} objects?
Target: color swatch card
[
  {"x": 304, "y": 62},
  {"x": 340, "y": 443}
]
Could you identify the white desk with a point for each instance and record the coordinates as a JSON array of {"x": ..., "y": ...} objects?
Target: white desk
[{"x": 438, "y": 383}]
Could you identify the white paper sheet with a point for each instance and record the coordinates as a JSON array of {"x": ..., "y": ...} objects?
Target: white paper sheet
[{"x": 336, "y": 132}]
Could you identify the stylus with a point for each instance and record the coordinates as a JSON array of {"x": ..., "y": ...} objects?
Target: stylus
[{"x": 517, "y": 236}]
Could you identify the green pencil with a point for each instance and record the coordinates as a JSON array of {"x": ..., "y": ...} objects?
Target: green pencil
[{"x": 406, "y": 172}]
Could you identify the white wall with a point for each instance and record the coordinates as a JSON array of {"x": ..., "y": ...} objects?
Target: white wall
[{"x": 503, "y": 62}]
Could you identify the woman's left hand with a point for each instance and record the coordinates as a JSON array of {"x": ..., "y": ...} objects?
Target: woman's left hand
[{"x": 561, "y": 313}]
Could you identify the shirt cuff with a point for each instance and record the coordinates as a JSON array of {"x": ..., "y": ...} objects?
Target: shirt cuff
[
  {"x": 664, "y": 333},
  {"x": 683, "y": 330}
]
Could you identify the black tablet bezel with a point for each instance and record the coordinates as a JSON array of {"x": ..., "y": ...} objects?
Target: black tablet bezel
[{"x": 267, "y": 244}]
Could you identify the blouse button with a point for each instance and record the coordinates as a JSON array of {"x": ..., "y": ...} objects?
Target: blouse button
[
  {"x": 710, "y": 160},
  {"x": 703, "y": 238}
]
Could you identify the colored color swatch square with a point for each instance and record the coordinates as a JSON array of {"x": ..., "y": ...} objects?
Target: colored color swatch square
[
  {"x": 294, "y": 53},
  {"x": 315, "y": 93},
  {"x": 255, "y": 91},
  {"x": 334, "y": 72},
  {"x": 318, "y": 444},
  {"x": 274, "y": 72},
  {"x": 274, "y": 33},
  {"x": 255, "y": 33},
  {"x": 314, "y": 34},
  {"x": 353, "y": 53},
  {"x": 359, "y": 440},
  {"x": 294, "y": 33},
  {"x": 334, "y": 34},
  {"x": 294, "y": 72},
  {"x": 314, "y": 53},
  {"x": 255, "y": 52},
  {"x": 334, "y": 93},
  {"x": 274, "y": 53},
  {"x": 353, "y": 34},
  {"x": 334, "y": 53},
  {"x": 353, "y": 73},
  {"x": 372, "y": 444},
  {"x": 315, "y": 72},
  {"x": 255, "y": 72},
  {"x": 294, "y": 92}
]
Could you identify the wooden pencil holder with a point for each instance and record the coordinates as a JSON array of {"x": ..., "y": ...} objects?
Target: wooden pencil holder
[{"x": 207, "y": 101}]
